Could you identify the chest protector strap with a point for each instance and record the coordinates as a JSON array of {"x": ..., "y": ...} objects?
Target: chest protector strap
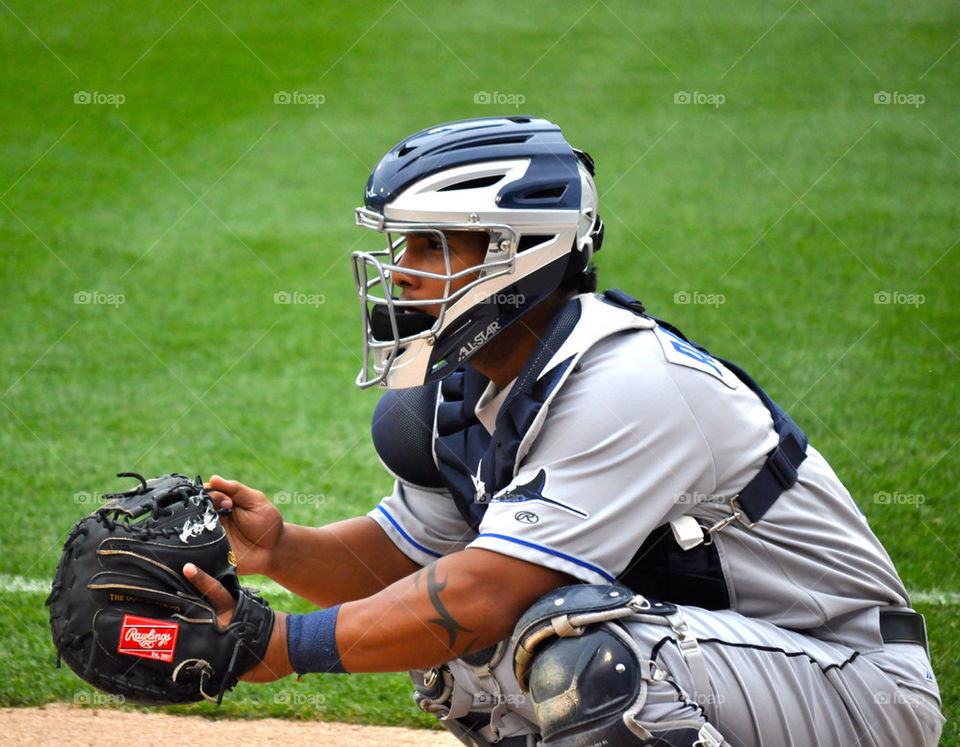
[
  {"x": 474, "y": 464},
  {"x": 779, "y": 472}
]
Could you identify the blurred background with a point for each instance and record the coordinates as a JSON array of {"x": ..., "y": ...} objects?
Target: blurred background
[{"x": 177, "y": 184}]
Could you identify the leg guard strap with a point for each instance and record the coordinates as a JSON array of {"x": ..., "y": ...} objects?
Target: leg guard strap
[
  {"x": 569, "y": 611},
  {"x": 589, "y": 679},
  {"x": 692, "y": 654}
]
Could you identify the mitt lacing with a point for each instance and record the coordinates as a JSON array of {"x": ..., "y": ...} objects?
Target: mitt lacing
[{"x": 112, "y": 517}]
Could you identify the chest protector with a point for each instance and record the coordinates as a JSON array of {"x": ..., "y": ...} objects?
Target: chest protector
[{"x": 431, "y": 437}]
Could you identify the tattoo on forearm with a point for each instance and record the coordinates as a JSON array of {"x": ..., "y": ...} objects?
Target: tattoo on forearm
[{"x": 444, "y": 619}]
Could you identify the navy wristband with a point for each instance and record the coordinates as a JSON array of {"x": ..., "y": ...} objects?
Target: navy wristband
[{"x": 312, "y": 642}]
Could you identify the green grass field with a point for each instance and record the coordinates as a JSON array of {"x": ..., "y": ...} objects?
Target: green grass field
[{"x": 812, "y": 227}]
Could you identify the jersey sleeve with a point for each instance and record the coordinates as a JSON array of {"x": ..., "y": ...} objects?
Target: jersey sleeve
[
  {"x": 620, "y": 453},
  {"x": 425, "y": 525}
]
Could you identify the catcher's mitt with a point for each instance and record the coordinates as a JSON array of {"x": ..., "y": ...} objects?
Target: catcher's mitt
[{"x": 126, "y": 620}]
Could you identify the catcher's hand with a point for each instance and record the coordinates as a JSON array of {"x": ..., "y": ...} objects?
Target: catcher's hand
[
  {"x": 275, "y": 662},
  {"x": 253, "y": 523},
  {"x": 124, "y": 617}
]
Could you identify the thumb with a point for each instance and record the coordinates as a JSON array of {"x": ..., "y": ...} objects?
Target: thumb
[{"x": 223, "y": 603}]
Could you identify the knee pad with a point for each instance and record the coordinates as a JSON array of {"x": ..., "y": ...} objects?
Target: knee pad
[
  {"x": 586, "y": 678},
  {"x": 580, "y": 687}
]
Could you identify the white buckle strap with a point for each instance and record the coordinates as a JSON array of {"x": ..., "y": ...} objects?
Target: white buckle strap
[
  {"x": 689, "y": 533},
  {"x": 710, "y": 737},
  {"x": 692, "y": 654}
]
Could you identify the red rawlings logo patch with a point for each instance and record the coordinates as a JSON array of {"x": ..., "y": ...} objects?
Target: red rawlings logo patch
[{"x": 147, "y": 638}]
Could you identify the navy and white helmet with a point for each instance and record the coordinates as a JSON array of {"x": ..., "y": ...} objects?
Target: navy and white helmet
[{"x": 514, "y": 178}]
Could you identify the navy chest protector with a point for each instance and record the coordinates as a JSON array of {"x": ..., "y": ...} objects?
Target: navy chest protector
[{"x": 409, "y": 426}]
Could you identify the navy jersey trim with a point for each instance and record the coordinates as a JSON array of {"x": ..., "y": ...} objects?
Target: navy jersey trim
[
  {"x": 556, "y": 553},
  {"x": 406, "y": 536}
]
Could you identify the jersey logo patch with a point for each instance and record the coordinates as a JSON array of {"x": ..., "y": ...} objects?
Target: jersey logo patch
[
  {"x": 526, "y": 517},
  {"x": 679, "y": 351},
  {"x": 533, "y": 491}
]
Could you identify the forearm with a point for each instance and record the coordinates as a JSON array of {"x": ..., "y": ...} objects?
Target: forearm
[
  {"x": 460, "y": 604},
  {"x": 339, "y": 562}
]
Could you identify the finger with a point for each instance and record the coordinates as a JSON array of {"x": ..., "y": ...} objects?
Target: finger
[
  {"x": 239, "y": 495},
  {"x": 227, "y": 487},
  {"x": 221, "y": 491},
  {"x": 212, "y": 589}
]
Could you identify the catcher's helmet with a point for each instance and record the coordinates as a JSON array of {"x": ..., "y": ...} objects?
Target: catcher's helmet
[{"x": 514, "y": 178}]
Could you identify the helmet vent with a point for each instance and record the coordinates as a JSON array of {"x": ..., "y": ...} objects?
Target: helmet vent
[
  {"x": 483, "y": 181},
  {"x": 532, "y": 240},
  {"x": 550, "y": 193},
  {"x": 405, "y": 150},
  {"x": 503, "y": 140}
]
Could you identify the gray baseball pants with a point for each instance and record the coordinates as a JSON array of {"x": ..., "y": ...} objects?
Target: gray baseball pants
[{"x": 756, "y": 683}]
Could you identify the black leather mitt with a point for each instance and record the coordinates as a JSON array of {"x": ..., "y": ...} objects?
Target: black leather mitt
[{"x": 126, "y": 620}]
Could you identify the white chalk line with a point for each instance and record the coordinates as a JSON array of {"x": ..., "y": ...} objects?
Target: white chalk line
[
  {"x": 12, "y": 584},
  {"x": 21, "y": 585}
]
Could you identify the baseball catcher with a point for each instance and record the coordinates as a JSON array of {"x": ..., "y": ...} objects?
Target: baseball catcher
[
  {"x": 598, "y": 532},
  {"x": 125, "y": 618}
]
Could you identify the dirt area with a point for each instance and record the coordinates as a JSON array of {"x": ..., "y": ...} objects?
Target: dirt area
[{"x": 60, "y": 724}]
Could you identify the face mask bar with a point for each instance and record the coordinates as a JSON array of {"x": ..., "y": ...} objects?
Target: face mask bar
[{"x": 373, "y": 274}]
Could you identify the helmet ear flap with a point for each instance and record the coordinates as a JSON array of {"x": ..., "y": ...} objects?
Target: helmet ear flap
[
  {"x": 589, "y": 219},
  {"x": 596, "y": 235},
  {"x": 583, "y": 251}
]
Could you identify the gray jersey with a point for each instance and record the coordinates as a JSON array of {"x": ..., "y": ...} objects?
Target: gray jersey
[
  {"x": 646, "y": 431},
  {"x": 643, "y": 432}
]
